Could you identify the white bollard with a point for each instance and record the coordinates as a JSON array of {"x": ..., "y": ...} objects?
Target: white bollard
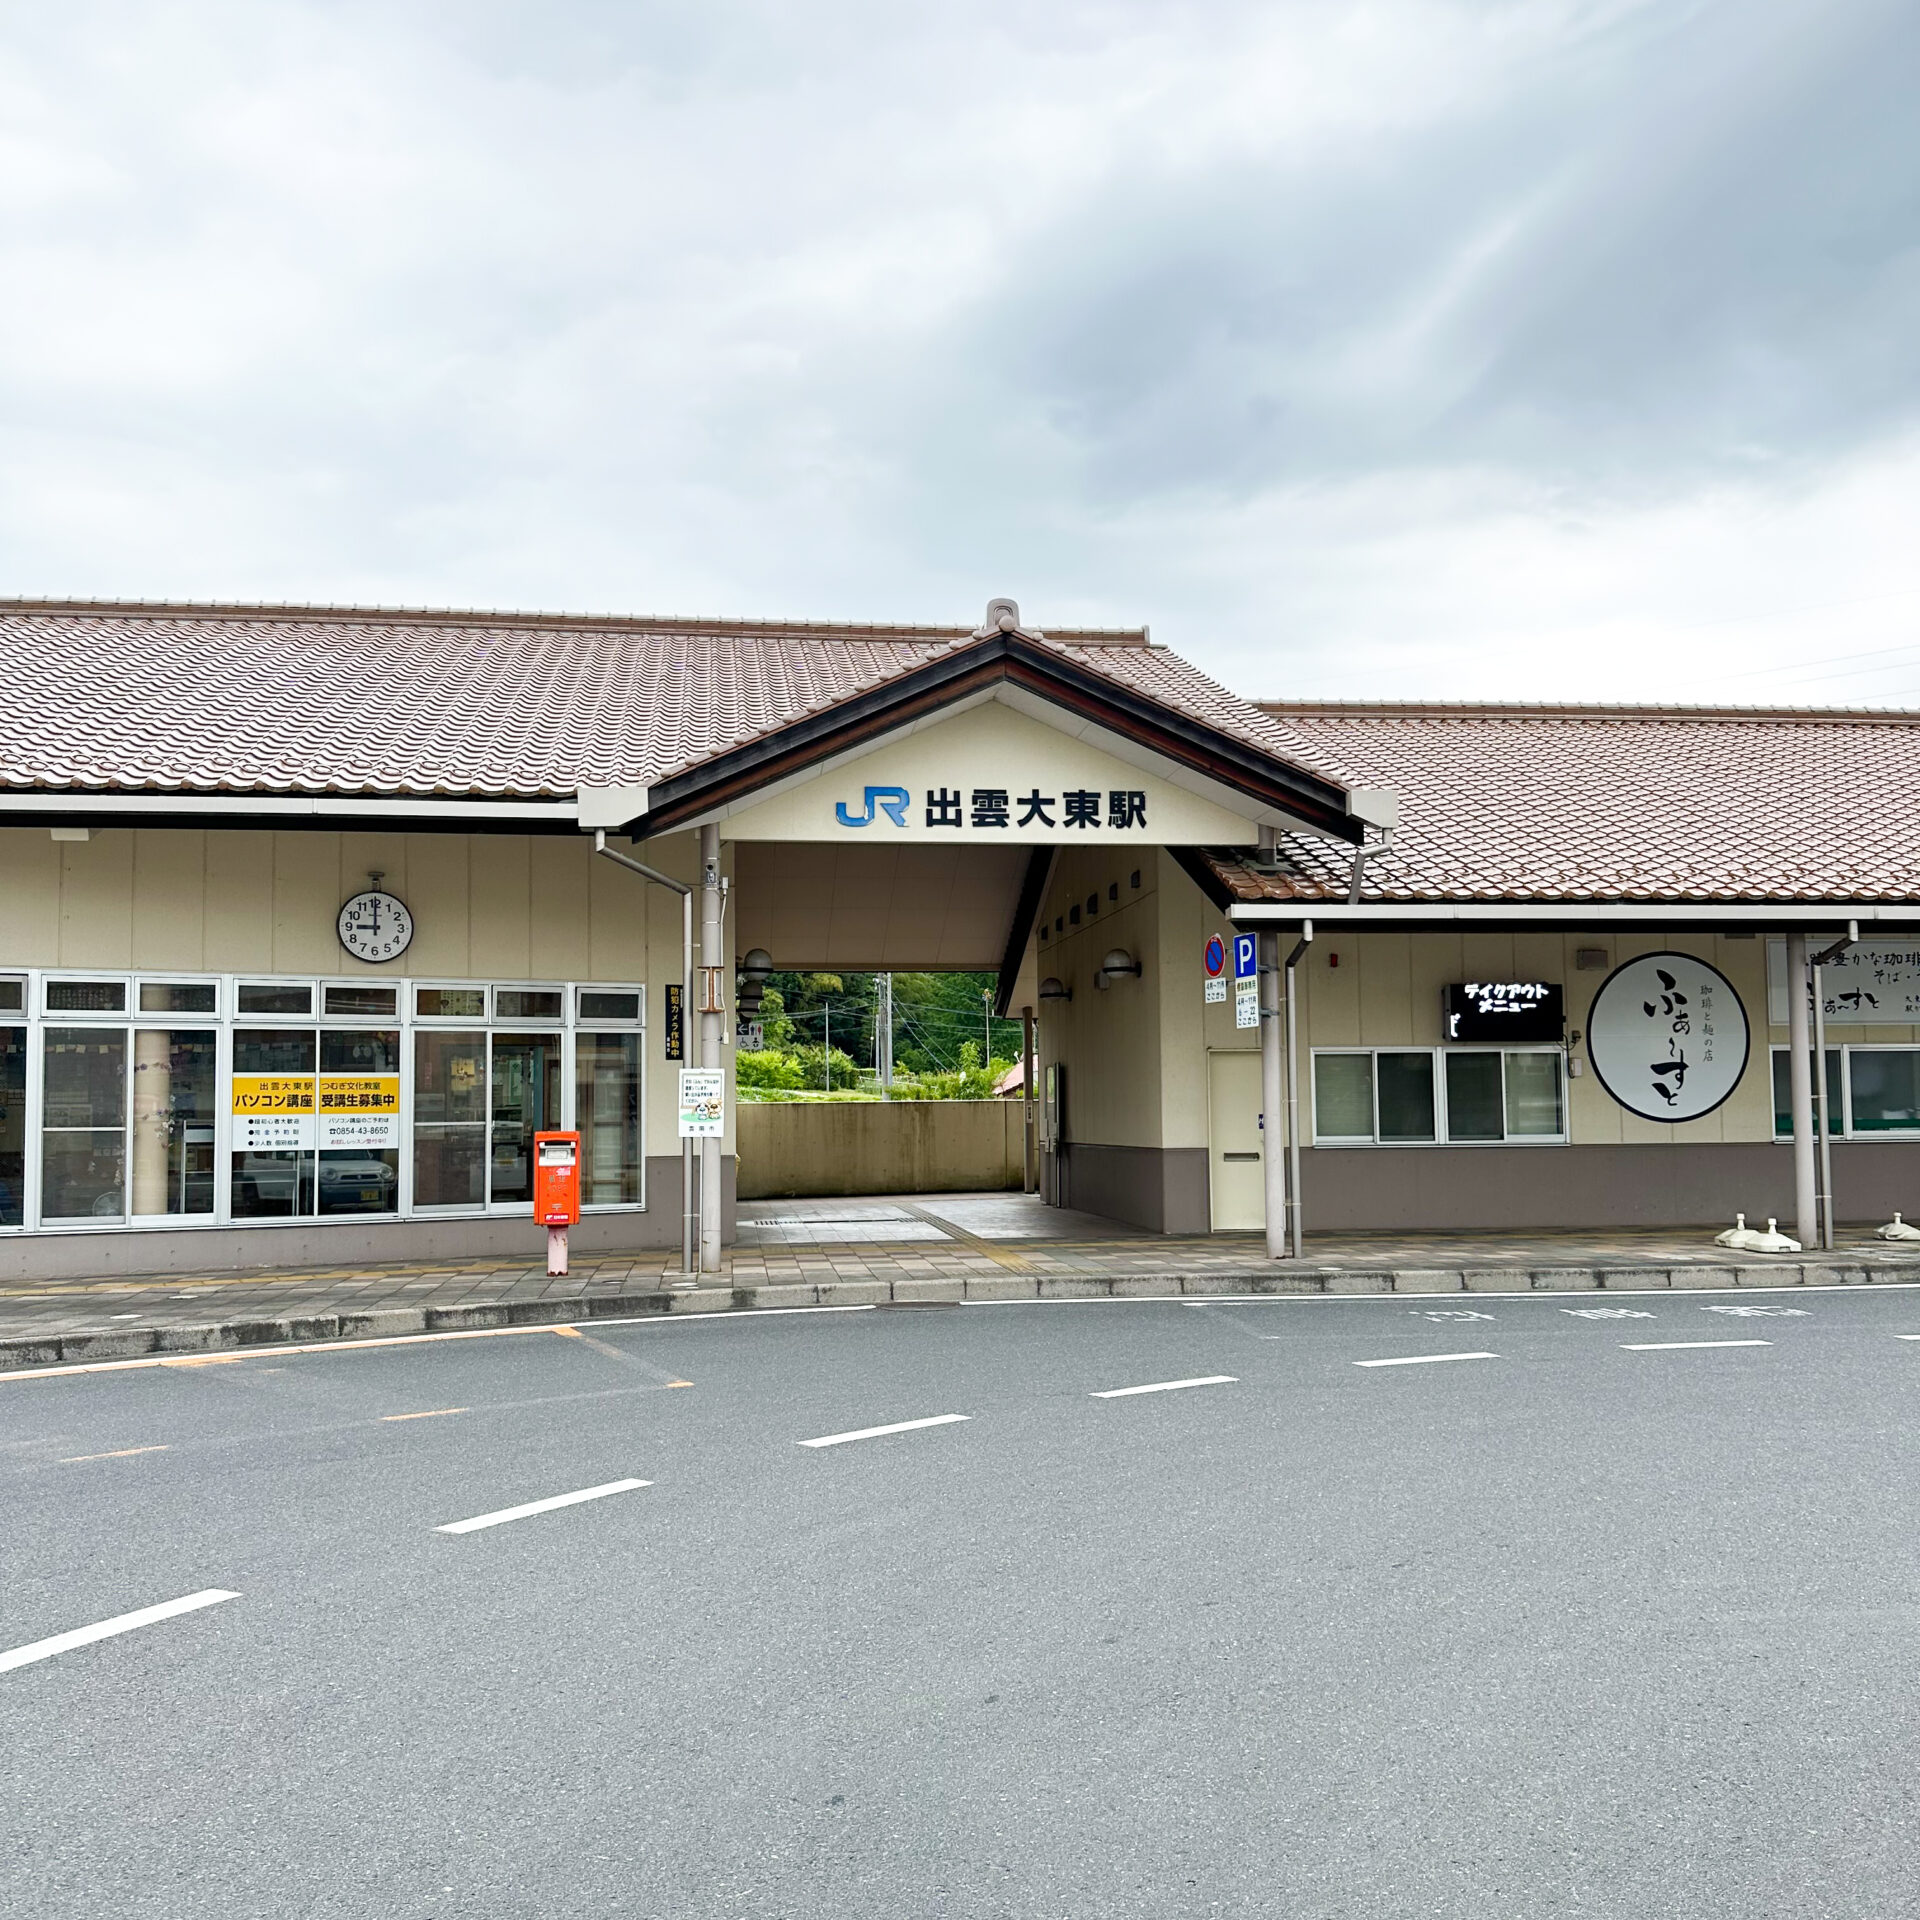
[{"x": 556, "y": 1253}]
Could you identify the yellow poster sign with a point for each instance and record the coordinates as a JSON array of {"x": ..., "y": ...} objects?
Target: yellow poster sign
[
  {"x": 258, "y": 1093},
  {"x": 360, "y": 1093}
]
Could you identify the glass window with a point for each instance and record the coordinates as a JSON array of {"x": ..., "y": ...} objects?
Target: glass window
[
  {"x": 173, "y": 1109},
  {"x": 1783, "y": 1093},
  {"x": 450, "y": 1003},
  {"x": 1406, "y": 1096},
  {"x": 449, "y": 1119},
  {"x": 86, "y": 996},
  {"x": 178, "y": 996},
  {"x": 1886, "y": 1089},
  {"x": 275, "y": 996},
  {"x": 1533, "y": 1096},
  {"x": 381, "y": 1003},
  {"x": 83, "y": 1169},
  {"x": 273, "y": 1123},
  {"x": 13, "y": 1126},
  {"x": 13, "y": 996},
  {"x": 597, "y": 1003},
  {"x": 1475, "y": 1101},
  {"x": 527, "y": 1003},
  {"x": 359, "y": 1130},
  {"x": 607, "y": 1113},
  {"x": 526, "y": 1101},
  {"x": 1343, "y": 1096}
]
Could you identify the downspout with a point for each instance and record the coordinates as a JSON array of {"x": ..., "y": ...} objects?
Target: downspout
[
  {"x": 689, "y": 1213},
  {"x": 1823, "y": 1200},
  {"x": 1800, "y": 1093},
  {"x": 1296, "y": 1232}
]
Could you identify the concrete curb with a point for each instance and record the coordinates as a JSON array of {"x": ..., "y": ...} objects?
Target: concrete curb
[{"x": 132, "y": 1343}]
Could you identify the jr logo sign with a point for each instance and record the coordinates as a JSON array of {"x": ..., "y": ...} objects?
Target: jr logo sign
[{"x": 892, "y": 801}]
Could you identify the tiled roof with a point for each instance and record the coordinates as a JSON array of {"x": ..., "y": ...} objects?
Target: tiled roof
[
  {"x": 121, "y": 696},
  {"x": 1611, "y": 803}
]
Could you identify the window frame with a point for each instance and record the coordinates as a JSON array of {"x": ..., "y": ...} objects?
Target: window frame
[
  {"x": 1441, "y": 1129},
  {"x": 1840, "y": 1127},
  {"x": 35, "y": 1018}
]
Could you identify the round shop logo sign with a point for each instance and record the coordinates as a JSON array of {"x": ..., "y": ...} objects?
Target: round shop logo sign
[{"x": 1667, "y": 1036}]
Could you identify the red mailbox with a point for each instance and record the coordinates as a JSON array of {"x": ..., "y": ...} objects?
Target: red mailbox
[{"x": 556, "y": 1179}]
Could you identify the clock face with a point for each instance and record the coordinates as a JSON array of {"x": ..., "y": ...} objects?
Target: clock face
[{"x": 375, "y": 927}]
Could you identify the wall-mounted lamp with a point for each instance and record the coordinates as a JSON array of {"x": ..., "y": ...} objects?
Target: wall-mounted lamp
[
  {"x": 1118, "y": 965},
  {"x": 755, "y": 970},
  {"x": 1054, "y": 988}
]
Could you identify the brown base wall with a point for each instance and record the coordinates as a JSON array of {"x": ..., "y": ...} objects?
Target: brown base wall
[
  {"x": 1543, "y": 1189},
  {"x": 1506, "y": 1189},
  {"x": 1162, "y": 1189},
  {"x": 74, "y": 1255}
]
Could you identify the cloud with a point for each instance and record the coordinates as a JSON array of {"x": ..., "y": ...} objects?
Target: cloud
[{"x": 1398, "y": 346}]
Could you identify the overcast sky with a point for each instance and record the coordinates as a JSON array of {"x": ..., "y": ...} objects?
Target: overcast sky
[{"x": 1539, "y": 351}]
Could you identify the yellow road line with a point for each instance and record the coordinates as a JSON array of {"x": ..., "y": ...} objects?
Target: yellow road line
[
  {"x": 123, "y": 1453},
  {"x": 432, "y": 1413}
]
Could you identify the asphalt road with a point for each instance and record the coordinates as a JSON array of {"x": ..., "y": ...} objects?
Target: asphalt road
[{"x": 1571, "y": 1629}]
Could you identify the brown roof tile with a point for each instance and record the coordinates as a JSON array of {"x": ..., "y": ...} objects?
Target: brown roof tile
[
  {"x": 1612, "y": 803},
  {"x": 306, "y": 700}
]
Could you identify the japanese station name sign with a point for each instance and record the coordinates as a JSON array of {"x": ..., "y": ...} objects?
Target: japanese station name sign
[
  {"x": 1667, "y": 1036},
  {"x": 994, "y": 775},
  {"x": 1496, "y": 1012}
]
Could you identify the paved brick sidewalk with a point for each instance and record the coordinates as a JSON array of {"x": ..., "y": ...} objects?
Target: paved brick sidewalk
[{"x": 129, "y": 1316}]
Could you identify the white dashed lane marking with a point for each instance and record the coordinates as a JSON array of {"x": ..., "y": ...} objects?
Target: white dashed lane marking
[
  {"x": 1166, "y": 1386},
  {"x": 876, "y": 1433},
  {"x": 1680, "y": 1346},
  {"x": 1425, "y": 1359},
  {"x": 541, "y": 1506},
  {"x": 106, "y": 1629}
]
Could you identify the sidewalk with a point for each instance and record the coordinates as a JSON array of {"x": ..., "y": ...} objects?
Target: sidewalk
[{"x": 915, "y": 1251}]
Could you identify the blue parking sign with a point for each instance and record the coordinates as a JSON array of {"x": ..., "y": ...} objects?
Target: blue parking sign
[{"x": 1243, "y": 961}]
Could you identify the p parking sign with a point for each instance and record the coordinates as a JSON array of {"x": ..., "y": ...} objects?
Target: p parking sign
[{"x": 1246, "y": 981}]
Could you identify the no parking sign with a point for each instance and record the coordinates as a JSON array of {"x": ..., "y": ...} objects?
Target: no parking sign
[{"x": 1215, "y": 961}]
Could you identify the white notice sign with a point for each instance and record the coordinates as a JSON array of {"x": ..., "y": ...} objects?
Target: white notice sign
[
  {"x": 1216, "y": 991},
  {"x": 1246, "y": 1003},
  {"x": 703, "y": 1103}
]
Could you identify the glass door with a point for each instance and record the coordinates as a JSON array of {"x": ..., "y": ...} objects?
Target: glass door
[{"x": 526, "y": 1101}]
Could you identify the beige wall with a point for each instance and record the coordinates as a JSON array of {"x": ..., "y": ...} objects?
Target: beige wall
[
  {"x": 871, "y": 1146},
  {"x": 485, "y": 907},
  {"x": 1110, "y": 1039}
]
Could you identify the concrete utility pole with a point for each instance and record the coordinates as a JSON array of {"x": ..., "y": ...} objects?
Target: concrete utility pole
[
  {"x": 712, "y": 1039},
  {"x": 883, "y": 1036},
  {"x": 1800, "y": 1092},
  {"x": 1273, "y": 1166}
]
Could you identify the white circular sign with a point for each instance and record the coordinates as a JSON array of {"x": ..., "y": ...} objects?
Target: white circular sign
[
  {"x": 375, "y": 927},
  {"x": 1667, "y": 1036}
]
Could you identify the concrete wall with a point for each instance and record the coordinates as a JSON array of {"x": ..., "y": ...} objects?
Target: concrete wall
[{"x": 873, "y": 1146}]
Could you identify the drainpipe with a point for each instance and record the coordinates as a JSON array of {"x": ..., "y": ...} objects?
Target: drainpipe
[
  {"x": 1823, "y": 1124},
  {"x": 1297, "y": 1234},
  {"x": 712, "y": 963},
  {"x": 689, "y": 1218},
  {"x": 1800, "y": 1092},
  {"x": 1272, "y": 1167}
]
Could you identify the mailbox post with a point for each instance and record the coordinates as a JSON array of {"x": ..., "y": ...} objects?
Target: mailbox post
[{"x": 556, "y": 1192}]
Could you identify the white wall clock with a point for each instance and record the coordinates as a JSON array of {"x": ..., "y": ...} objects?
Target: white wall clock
[{"x": 375, "y": 926}]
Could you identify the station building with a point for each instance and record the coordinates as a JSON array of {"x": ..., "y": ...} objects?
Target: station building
[{"x": 310, "y": 918}]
